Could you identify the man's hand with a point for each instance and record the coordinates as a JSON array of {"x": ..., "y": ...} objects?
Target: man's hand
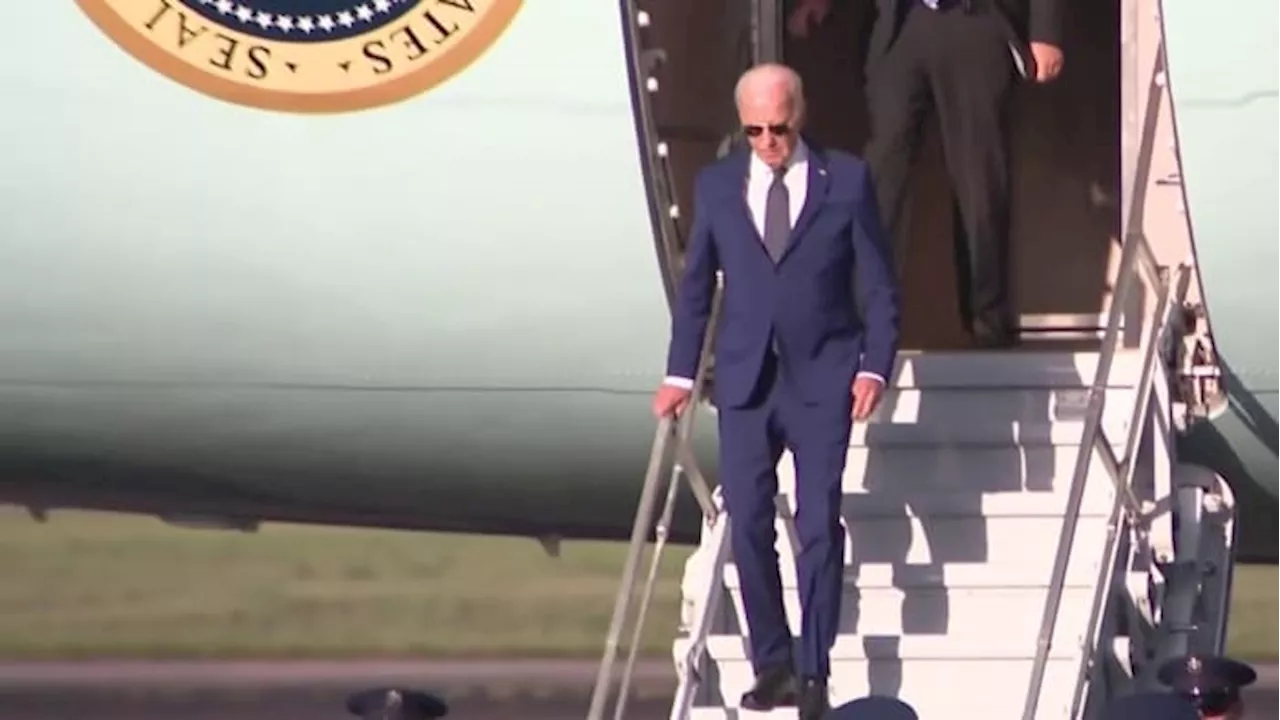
[
  {"x": 670, "y": 401},
  {"x": 1048, "y": 60},
  {"x": 807, "y": 15},
  {"x": 866, "y": 396}
]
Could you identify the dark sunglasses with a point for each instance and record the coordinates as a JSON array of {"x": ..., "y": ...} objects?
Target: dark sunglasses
[{"x": 781, "y": 130}]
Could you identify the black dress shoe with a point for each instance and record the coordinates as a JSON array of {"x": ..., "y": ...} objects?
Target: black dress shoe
[
  {"x": 993, "y": 336},
  {"x": 775, "y": 687},
  {"x": 814, "y": 703}
]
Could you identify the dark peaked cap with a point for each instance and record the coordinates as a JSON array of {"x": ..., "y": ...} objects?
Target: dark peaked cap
[
  {"x": 1150, "y": 706},
  {"x": 1198, "y": 675},
  {"x": 396, "y": 704},
  {"x": 874, "y": 707}
]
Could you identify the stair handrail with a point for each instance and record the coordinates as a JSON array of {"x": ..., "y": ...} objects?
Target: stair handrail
[
  {"x": 1122, "y": 470},
  {"x": 1084, "y": 455},
  {"x": 711, "y": 590},
  {"x": 1137, "y": 261},
  {"x": 679, "y": 431},
  {"x": 1126, "y": 511}
]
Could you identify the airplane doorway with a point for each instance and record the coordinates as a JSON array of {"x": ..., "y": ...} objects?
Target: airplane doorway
[
  {"x": 686, "y": 58},
  {"x": 1065, "y": 145},
  {"x": 1066, "y": 155}
]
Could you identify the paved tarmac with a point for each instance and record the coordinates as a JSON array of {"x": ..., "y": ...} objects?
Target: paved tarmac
[{"x": 489, "y": 690}]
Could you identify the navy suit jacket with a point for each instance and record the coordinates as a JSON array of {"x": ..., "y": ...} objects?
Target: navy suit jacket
[{"x": 806, "y": 300}]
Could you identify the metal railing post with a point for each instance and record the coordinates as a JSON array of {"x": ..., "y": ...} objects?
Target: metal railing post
[
  {"x": 621, "y": 604},
  {"x": 685, "y": 466},
  {"x": 1137, "y": 260},
  {"x": 1079, "y": 475}
]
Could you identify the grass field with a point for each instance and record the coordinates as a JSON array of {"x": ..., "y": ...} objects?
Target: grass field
[{"x": 94, "y": 585}]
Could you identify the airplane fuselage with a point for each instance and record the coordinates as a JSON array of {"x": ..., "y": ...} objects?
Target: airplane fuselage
[{"x": 446, "y": 312}]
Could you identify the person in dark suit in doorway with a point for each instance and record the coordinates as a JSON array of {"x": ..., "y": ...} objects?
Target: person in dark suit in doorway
[
  {"x": 959, "y": 58},
  {"x": 795, "y": 231}
]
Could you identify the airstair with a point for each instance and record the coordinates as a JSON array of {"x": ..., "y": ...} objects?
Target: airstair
[
  {"x": 1021, "y": 540},
  {"x": 954, "y": 502}
]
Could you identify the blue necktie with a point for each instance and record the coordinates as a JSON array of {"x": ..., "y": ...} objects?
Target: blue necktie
[{"x": 777, "y": 217}]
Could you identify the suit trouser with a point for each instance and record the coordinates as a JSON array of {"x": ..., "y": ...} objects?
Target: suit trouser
[
  {"x": 960, "y": 66},
  {"x": 752, "y": 439}
]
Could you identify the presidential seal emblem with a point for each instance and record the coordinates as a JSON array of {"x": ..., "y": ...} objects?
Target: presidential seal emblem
[{"x": 305, "y": 55}]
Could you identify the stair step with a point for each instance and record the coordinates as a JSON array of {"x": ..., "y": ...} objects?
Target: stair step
[
  {"x": 921, "y": 474},
  {"x": 1005, "y": 369},
  {"x": 998, "y": 405},
  {"x": 935, "y": 689},
  {"x": 975, "y": 431},
  {"x": 965, "y": 616},
  {"x": 941, "y": 688},
  {"x": 993, "y": 645},
  {"x": 870, "y": 576},
  {"x": 953, "y": 504},
  {"x": 993, "y": 541}
]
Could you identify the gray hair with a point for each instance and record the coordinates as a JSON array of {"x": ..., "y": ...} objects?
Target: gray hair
[{"x": 774, "y": 73}]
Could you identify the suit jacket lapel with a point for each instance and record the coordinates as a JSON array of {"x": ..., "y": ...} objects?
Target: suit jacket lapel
[{"x": 815, "y": 197}]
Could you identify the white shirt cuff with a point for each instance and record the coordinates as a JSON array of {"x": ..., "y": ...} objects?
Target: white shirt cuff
[{"x": 874, "y": 376}]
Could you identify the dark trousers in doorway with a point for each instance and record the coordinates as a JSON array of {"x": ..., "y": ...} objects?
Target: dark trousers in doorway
[{"x": 954, "y": 62}]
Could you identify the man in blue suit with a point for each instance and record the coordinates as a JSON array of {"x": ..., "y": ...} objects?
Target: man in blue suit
[{"x": 796, "y": 233}]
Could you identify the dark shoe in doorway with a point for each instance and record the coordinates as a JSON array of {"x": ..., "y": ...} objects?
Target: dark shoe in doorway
[{"x": 992, "y": 336}]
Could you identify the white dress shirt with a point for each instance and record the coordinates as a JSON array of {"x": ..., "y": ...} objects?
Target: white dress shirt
[{"x": 759, "y": 178}]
